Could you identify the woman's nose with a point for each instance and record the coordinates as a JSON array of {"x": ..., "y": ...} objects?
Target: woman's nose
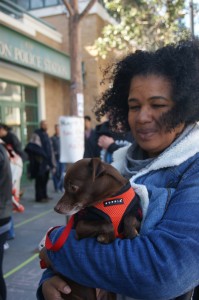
[{"x": 144, "y": 115}]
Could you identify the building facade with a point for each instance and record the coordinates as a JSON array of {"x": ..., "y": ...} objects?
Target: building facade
[{"x": 35, "y": 62}]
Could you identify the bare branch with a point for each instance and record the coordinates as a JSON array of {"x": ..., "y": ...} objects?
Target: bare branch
[
  {"x": 68, "y": 7},
  {"x": 87, "y": 8}
]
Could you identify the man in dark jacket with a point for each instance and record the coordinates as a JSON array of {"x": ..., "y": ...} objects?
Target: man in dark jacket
[{"x": 41, "y": 160}]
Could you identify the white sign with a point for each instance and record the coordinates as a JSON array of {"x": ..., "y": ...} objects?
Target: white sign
[
  {"x": 71, "y": 138},
  {"x": 80, "y": 105}
]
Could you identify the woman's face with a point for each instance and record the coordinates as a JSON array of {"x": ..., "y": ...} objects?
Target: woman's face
[{"x": 149, "y": 98}]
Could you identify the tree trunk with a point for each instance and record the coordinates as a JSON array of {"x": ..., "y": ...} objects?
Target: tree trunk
[
  {"x": 76, "y": 85},
  {"x": 75, "y": 18}
]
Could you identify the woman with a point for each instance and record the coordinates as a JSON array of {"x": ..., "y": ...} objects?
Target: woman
[
  {"x": 5, "y": 210},
  {"x": 156, "y": 94}
]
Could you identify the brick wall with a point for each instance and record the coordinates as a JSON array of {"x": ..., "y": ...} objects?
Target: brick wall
[{"x": 57, "y": 100}]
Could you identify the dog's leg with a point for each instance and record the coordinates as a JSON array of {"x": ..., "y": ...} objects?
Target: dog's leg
[
  {"x": 131, "y": 227},
  {"x": 102, "y": 229},
  {"x": 132, "y": 222}
]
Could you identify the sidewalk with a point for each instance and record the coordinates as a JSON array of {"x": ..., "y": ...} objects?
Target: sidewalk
[{"x": 21, "y": 263}]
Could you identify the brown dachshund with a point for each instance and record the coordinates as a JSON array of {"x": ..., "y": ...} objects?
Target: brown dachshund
[{"x": 96, "y": 192}]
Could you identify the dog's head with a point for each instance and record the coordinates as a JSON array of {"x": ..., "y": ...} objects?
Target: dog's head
[{"x": 87, "y": 182}]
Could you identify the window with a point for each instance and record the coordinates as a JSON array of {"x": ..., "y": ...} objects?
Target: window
[
  {"x": 51, "y": 2},
  {"x": 23, "y": 3},
  {"x": 19, "y": 108},
  {"x": 30, "y": 95},
  {"x": 34, "y": 4},
  {"x": 10, "y": 92}
]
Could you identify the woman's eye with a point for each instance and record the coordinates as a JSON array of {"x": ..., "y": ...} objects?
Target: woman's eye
[
  {"x": 159, "y": 105},
  {"x": 134, "y": 107}
]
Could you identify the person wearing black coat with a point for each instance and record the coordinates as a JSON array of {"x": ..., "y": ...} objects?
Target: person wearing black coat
[
  {"x": 41, "y": 161},
  {"x": 10, "y": 139}
]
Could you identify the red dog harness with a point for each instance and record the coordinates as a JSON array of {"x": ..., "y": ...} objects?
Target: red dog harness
[
  {"x": 116, "y": 207},
  {"x": 113, "y": 208}
]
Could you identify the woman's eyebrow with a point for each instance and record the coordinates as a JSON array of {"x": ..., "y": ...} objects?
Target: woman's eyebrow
[
  {"x": 158, "y": 97},
  {"x": 151, "y": 98}
]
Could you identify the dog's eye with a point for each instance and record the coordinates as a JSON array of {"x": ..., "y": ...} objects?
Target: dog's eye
[{"x": 72, "y": 187}]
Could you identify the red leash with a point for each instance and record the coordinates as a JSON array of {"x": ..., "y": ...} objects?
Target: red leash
[
  {"x": 62, "y": 238},
  {"x": 59, "y": 242}
]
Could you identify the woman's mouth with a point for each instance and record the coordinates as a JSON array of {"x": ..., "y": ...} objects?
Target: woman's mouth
[{"x": 145, "y": 134}]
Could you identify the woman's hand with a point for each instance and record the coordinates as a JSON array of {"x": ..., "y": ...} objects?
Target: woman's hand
[{"x": 54, "y": 287}]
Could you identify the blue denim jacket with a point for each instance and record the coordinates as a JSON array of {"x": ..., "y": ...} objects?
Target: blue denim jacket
[{"x": 161, "y": 263}]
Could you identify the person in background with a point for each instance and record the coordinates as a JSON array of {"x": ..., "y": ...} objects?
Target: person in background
[
  {"x": 16, "y": 165},
  {"x": 90, "y": 138},
  {"x": 109, "y": 141},
  {"x": 17, "y": 156},
  {"x": 155, "y": 94},
  {"x": 87, "y": 127},
  {"x": 10, "y": 139},
  {"x": 58, "y": 176},
  {"x": 104, "y": 142},
  {"x": 41, "y": 161},
  {"x": 14, "y": 148},
  {"x": 5, "y": 210}
]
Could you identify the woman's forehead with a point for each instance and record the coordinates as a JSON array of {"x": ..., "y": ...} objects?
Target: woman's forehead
[{"x": 150, "y": 84}]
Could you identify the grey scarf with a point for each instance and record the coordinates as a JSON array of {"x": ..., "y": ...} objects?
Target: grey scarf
[{"x": 136, "y": 158}]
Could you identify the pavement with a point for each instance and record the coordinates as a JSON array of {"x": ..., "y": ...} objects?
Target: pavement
[{"x": 21, "y": 263}]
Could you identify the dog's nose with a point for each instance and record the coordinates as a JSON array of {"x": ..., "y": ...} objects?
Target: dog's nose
[{"x": 57, "y": 208}]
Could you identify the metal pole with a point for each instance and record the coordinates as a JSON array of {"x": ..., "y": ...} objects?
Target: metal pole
[{"x": 191, "y": 17}]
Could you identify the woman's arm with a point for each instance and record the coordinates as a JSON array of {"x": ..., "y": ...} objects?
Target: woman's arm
[{"x": 159, "y": 265}]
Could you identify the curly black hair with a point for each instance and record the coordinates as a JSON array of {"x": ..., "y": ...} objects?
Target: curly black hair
[{"x": 178, "y": 63}]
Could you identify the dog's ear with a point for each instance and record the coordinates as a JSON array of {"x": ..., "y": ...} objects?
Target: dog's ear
[{"x": 96, "y": 167}]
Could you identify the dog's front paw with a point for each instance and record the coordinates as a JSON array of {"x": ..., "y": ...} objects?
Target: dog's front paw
[{"x": 105, "y": 238}]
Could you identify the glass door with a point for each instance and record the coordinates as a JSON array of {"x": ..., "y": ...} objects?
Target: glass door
[
  {"x": 19, "y": 110},
  {"x": 11, "y": 115}
]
